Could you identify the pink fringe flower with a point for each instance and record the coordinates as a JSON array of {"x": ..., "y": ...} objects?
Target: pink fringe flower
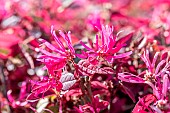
[
  {"x": 156, "y": 77},
  {"x": 108, "y": 47},
  {"x": 57, "y": 60},
  {"x": 45, "y": 87}
]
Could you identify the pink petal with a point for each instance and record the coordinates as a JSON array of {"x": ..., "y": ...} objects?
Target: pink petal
[
  {"x": 67, "y": 38},
  {"x": 60, "y": 44},
  {"x": 83, "y": 44},
  {"x": 121, "y": 55},
  {"x": 50, "y": 46},
  {"x": 22, "y": 91},
  {"x": 97, "y": 42},
  {"x": 154, "y": 59},
  {"x": 159, "y": 65},
  {"x": 165, "y": 85}
]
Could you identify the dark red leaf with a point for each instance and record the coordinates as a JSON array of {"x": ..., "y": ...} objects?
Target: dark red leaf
[{"x": 144, "y": 103}]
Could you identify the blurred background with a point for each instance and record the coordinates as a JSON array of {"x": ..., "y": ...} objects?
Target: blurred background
[{"x": 23, "y": 22}]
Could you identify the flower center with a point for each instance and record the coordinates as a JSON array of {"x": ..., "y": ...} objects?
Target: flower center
[{"x": 149, "y": 77}]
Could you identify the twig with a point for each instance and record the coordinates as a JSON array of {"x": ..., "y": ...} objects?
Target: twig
[{"x": 3, "y": 81}]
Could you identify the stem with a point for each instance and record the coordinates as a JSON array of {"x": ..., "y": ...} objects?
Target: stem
[
  {"x": 82, "y": 82},
  {"x": 155, "y": 92},
  {"x": 33, "y": 109},
  {"x": 60, "y": 107},
  {"x": 3, "y": 81},
  {"x": 76, "y": 69},
  {"x": 87, "y": 92},
  {"x": 112, "y": 90},
  {"x": 3, "y": 87}
]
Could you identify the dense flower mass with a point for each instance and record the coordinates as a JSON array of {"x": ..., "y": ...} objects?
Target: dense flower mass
[{"x": 60, "y": 56}]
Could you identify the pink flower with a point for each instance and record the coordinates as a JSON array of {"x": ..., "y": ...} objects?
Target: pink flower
[
  {"x": 108, "y": 47},
  {"x": 57, "y": 60},
  {"x": 153, "y": 76},
  {"x": 45, "y": 87},
  {"x": 144, "y": 104},
  {"x": 50, "y": 86}
]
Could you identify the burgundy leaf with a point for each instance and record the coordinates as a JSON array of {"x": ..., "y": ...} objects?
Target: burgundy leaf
[
  {"x": 86, "y": 67},
  {"x": 128, "y": 77},
  {"x": 125, "y": 39},
  {"x": 144, "y": 104},
  {"x": 105, "y": 70},
  {"x": 67, "y": 80},
  {"x": 164, "y": 56},
  {"x": 98, "y": 85},
  {"x": 73, "y": 93},
  {"x": 33, "y": 97},
  {"x": 130, "y": 93}
]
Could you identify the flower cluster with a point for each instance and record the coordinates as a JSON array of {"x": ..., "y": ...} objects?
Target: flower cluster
[
  {"x": 122, "y": 67},
  {"x": 105, "y": 48},
  {"x": 157, "y": 77},
  {"x": 55, "y": 62},
  {"x": 57, "y": 57}
]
